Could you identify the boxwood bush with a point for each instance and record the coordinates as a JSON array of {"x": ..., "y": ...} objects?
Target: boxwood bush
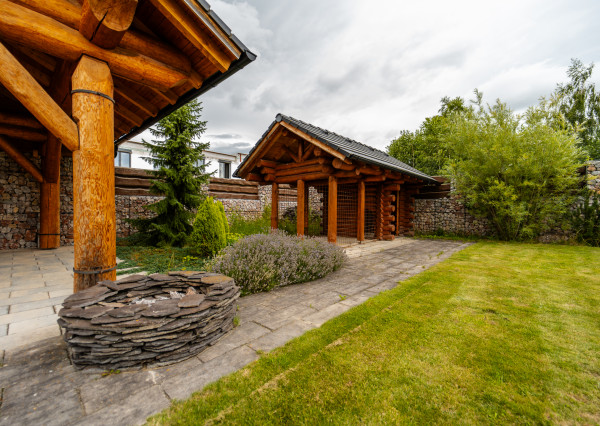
[
  {"x": 262, "y": 262},
  {"x": 210, "y": 228}
]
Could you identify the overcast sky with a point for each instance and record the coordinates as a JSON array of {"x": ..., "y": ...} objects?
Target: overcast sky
[{"x": 369, "y": 69}]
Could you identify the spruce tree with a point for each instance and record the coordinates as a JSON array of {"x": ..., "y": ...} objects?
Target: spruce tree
[{"x": 177, "y": 158}]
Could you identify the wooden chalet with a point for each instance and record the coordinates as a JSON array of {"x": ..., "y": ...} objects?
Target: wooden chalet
[
  {"x": 77, "y": 77},
  {"x": 356, "y": 191}
]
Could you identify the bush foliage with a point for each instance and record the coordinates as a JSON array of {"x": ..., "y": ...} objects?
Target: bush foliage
[
  {"x": 262, "y": 262},
  {"x": 519, "y": 171},
  {"x": 209, "y": 236},
  {"x": 586, "y": 220}
]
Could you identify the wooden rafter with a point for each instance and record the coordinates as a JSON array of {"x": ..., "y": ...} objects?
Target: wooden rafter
[
  {"x": 314, "y": 141},
  {"x": 21, "y": 159},
  {"x": 40, "y": 32},
  {"x": 122, "y": 89},
  {"x": 33, "y": 97},
  {"x": 23, "y": 133},
  {"x": 20, "y": 120},
  {"x": 105, "y": 22},
  {"x": 184, "y": 23}
]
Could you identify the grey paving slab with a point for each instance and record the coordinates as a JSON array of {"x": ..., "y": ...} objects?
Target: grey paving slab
[
  {"x": 42, "y": 387},
  {"x": 281, "y": 336}
]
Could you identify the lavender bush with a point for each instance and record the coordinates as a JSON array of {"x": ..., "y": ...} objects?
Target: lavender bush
[{"x": 262, "y": 262}]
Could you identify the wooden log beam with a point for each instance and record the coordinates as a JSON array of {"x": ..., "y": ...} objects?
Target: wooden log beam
[
  {"x": 254, "y": 177},
  {"x": 314, "y": 141},
  {"x": 291, "y": 153},
  {"x": 320, "y": 160},
  {"x": 24, "y": 26},
  {"x": 332, "y": 210},
  {"x": 307, "y": 152},
  {"x": 51, "y": 162},
  {"x": 49, "y": 235},
  {"x": 181, "y": 19},
  {"x": 20, "y": 120},
  {"x": 375, "y": 178},
  {"x": 105, "y": 22},
  {"x": 300, "y": 208},
  {"x": 20, "y": 159},
  {"x": 300, "y": 170},
  {"x": 360, "y": 217},
  {"x": 368, "y": 170},
  {"x": 274, "y": 205},
  {"x": 339, "y": 164},
  {"x": 306, "y": 177},
  {"x": 123, "y": 91},
  {"x": 69, "y": 14},
  {"x": 23, "y": 133},
  {"x": 94, "y": 221},
  {"x": 268, "y": 163},
  {"x": 33, "y": 97}
]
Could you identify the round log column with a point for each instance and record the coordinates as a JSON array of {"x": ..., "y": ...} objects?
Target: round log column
[{"x": 93, "y": 175}]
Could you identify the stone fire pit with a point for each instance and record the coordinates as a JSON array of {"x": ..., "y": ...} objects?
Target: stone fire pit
[{"x": 147, "y": 320}]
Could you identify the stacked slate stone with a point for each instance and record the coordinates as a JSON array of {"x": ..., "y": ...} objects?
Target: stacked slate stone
[{"x": 147, "y": 320}]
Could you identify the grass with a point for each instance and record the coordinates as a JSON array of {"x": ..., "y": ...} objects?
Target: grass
[
  {"x": 153, "y": 259},
  {"x": 500, "y": 332}
]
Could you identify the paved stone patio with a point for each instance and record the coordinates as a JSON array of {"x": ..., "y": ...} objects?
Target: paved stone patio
[{"x": 40, "y": 386}]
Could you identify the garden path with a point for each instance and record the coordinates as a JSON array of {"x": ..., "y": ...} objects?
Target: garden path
[{"x": 40, "y": 386}]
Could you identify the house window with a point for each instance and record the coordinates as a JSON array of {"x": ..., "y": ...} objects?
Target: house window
[
  {"x": 123, "y": 158},
  {"x": 224, "y": 170}
]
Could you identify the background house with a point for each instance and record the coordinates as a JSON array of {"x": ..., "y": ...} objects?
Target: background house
[{"x": 218, "y": 164}]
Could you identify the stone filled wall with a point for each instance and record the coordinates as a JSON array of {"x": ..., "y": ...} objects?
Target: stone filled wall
[
  {"x": 593, "y": 176},
  {"x": 448, "y": 215},
  {"x": 19, "y": 204}
]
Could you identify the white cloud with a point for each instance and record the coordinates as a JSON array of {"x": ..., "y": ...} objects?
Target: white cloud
[{"x": 370, "y": 69}]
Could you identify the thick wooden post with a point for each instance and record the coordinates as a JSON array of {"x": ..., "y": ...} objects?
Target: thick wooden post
[
  {"x": 332, "y": 210},
  {"x": 300, "y": 208},
  {"x": 306, "y": 208},
  {"x": 274, "y": 205},
  {"x": 93, "y": 175},
  {"x": 49, "y": 236},
  {"x": 360, "y": 217}
]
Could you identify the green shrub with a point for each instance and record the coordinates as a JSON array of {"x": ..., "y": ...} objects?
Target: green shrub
[
  {"x": 586, "y": 220},
  {"x": 519, "y": 171},
  {"x": 262, "y": 262},
  {"x": 238, "y": 224},
  {"x": 210, "y": 228}
]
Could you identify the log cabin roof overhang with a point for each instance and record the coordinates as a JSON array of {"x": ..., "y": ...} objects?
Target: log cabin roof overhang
[
  {"x": 338, "y": 146},
  {"x": 166, "y": 53}
]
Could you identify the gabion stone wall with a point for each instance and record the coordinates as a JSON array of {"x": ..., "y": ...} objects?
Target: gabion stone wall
[
  {"x": 147, "y": 320},
  {"x": 448, "y": 215},
  {"x": 19, "y": 204},
  {"x": 593, "y": 176}
]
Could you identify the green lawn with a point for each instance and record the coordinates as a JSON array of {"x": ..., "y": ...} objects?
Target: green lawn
[{"x": 498, "y": 333}]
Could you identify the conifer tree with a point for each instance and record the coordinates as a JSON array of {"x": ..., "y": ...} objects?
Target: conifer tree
[{"x": 177, "y": 156}]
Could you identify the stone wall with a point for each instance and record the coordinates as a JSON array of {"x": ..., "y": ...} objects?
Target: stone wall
[
  {"x": 19, "y": 204},
  {"x": 447, "y": 215},
  {"x": 593, "y": 176}
]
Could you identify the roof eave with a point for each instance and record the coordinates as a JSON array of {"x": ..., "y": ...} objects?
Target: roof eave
[{"x": 245, "y": 58}]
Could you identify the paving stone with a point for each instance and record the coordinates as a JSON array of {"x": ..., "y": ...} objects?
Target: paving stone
[
  {"x": 33, "y": 324},
  {"x": 26, "y": 315},
  {"x": 359, "y": 298},
  {"x": 62, "y": 408},
  {"x": 12, "y": 341},
  {"x": 386, "y": 285},
  {"x": 130, "y": 411},
  {"x": 41, "y": 295},
  {"x": 279, "y": 318},
  {"x": 182, "y": 386},
  {"x": 3, "y": 310},
  {"x": 20, "y": 307},
  {"x": 281, "y": 336},
  {"x": 239, "y": 336},
  {"x": 3, "y": 330},
  {"x": 319, "y": 318},
  {"x": 114, "y": 388}
]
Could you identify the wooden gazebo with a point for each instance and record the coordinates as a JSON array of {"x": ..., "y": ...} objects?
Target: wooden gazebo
[
  {"x": 79, "y": 76},
  {"x": 358, "y": 192}
]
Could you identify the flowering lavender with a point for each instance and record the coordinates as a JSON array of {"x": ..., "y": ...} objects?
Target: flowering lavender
[{"x": 262, "y": 262}]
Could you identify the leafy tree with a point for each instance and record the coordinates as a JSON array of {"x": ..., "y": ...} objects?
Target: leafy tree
[
  {"x": 426, "y": 148},
  {"x": 578, "y": 101},
  {"x": 519, "y": 171},
  {"x": 180, "y": 175}
]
